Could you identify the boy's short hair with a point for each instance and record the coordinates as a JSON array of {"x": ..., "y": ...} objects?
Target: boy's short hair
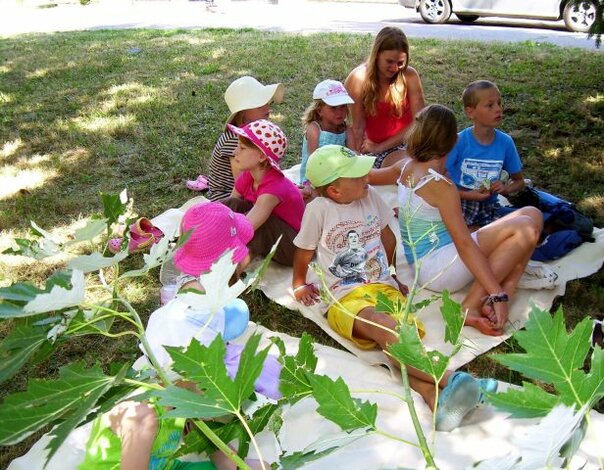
[
  {"x": 330, "y": 162},
  {"x": 470, "y": 94}
]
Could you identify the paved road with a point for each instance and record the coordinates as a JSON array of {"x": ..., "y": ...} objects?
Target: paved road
[{"x": 276, "y": 15}]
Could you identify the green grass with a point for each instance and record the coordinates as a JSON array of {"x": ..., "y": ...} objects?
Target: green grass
[{"x": 81, "y": 114}]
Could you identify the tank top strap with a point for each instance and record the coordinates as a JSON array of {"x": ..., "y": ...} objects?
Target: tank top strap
[
  {"x": 407, "y": 161},
  {"x": 432, "y": 175}
]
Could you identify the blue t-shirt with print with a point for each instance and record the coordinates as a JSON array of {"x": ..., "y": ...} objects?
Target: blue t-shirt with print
[{"x": 470, "y": 162}]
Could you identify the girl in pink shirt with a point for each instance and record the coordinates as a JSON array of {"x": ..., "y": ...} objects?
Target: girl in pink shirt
[{"x": 271, "y": 202}]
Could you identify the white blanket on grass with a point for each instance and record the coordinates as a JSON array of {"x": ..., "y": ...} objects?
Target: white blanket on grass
[
  {"x": 485, "y": 434},
  {"x": 585, "y": 260}
]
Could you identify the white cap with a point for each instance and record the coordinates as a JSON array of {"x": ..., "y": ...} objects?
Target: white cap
[
  {"x": 248, "y": 93},
  {"x": 332, "y": 93}
]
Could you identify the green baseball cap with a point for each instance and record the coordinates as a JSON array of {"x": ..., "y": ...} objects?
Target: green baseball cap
[{"x": 330, "y": 162}]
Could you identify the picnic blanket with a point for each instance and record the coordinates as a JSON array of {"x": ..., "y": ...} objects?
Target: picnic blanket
[
  {"x": 583, "y": 261},
  {"x": 485, "y": 434}
]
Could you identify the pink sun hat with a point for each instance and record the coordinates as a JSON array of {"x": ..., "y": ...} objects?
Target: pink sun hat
[
  {"x": 268, "y": 137},
  {"x": 215, "y": 229}
]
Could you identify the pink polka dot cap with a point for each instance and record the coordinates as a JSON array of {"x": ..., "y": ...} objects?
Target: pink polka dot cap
[{"x": 265, "y": 135}]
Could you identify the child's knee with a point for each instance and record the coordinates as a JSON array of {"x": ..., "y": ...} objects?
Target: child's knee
[{"x": 535, "y": 215}]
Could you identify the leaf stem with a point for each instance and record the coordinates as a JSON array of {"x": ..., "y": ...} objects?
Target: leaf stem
[
  {"x": 252, "y": 438},
  {"x": 211, "y": 435}
]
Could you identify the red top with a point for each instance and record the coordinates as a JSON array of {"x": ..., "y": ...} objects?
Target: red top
[{"x": 385, "y": 124}]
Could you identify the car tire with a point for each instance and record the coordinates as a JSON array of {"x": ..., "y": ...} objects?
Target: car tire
[
  {"x": 466, "y": 18},
  {"x": 579, "y": 15},
  {"x": 435, "y": 11}
]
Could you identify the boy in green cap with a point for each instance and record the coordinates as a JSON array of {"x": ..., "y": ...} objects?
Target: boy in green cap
[{"x": 346, "y": 230}]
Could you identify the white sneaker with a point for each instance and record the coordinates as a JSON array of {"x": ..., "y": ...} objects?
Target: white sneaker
[{"x": 538, "y": 276}]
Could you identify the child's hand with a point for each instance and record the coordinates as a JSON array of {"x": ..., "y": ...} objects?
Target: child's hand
[
  {"x": 307, "y": 294},
  {"x": 498, "y": 187},
  {"x": 306, "y": 191},
  {"x": 369, "y": 146},
  {"x": 481, "y": 194}
]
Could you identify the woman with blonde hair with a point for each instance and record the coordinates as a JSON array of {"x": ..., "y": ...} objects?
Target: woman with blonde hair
[{"x": 387, "y": 93}]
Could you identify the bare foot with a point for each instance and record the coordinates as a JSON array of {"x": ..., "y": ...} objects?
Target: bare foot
[
  {"x": 482, "y": 324},
  {"x": 488, "y": 311}
]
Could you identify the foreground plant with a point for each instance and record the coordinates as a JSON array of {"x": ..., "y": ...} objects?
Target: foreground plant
[{"x": 45, "y": 317}]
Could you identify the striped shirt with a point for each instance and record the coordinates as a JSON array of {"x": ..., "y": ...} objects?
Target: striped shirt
[{"x": 220, "y": 176}]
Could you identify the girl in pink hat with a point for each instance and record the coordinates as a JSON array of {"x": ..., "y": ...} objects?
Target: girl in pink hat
[{"x": 271, "y": 202}]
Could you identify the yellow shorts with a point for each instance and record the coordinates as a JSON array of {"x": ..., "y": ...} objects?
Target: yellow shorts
[{"x": 358, "y": 299}]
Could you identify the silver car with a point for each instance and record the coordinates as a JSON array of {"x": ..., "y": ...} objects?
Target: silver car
[{"x": 578, "y": 15}]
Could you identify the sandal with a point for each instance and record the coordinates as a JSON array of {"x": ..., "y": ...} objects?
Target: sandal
[
  {"x": 143, "y": 234},
  {"x": 200, "y": 184}
]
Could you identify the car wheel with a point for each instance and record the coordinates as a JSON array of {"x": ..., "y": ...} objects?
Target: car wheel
[
  {"x": 579, "y": 15},
  {"x": 466, "y": 18},
  {"x": 435, "y": 11}
]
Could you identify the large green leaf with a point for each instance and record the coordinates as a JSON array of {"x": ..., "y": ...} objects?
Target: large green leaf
[
  {"x": 188, "y": 404},
  {"x": 96, "y": 261},
  {"x": 294, "y": 381},
  {"x": 410, "y": 350},
  {"x": 58, "y": 298},
  {"x": 337, "y": 405},
  {"x": 454, "y": 318},
  {"x": 322, "y": 447},
  {"x": 18, "y": 348},
  {"x": 529, "y": 402},
  {"x": 205, "y": 366},
  {"x": 17, "y": 296},
  {"x": 250, "y": 367},
  {"x": 89, "y": 231},
  {"x": 23, "y": 292},
  {"x": 159, "y": 253},
  {"x": 65, "y": 401},
  {"x": 114, "y": 205},
  {"x": 557, "y": 357},
  {"x": 197, "y": 442}
]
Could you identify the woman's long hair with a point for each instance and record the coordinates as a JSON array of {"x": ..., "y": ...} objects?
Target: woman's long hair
[{"x": 388, "y": 39}]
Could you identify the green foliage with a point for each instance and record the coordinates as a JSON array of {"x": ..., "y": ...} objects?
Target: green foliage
[
  {"x": 555, "y": 357},
  {"x": 454, "y": 318},
  {"x": 205, "y": 366},
  {"x": 337, "y": 405},
  {"x": 295, "y": 382},
  {"x": 19, "y": 347},
  {"x": 66, "y": 402}
]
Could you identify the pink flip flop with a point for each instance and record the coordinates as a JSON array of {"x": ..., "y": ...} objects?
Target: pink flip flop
[{"x": 200, "y": 184}]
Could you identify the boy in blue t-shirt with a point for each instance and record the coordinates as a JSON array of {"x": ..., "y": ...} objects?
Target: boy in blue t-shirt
[{"x": 480, "y": 155}]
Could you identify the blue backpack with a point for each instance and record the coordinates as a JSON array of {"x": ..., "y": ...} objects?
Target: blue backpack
[{"x": 564, "y": 226}]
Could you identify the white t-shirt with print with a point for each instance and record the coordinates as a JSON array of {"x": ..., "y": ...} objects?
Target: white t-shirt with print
[{"x": 347, "y": 241}]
